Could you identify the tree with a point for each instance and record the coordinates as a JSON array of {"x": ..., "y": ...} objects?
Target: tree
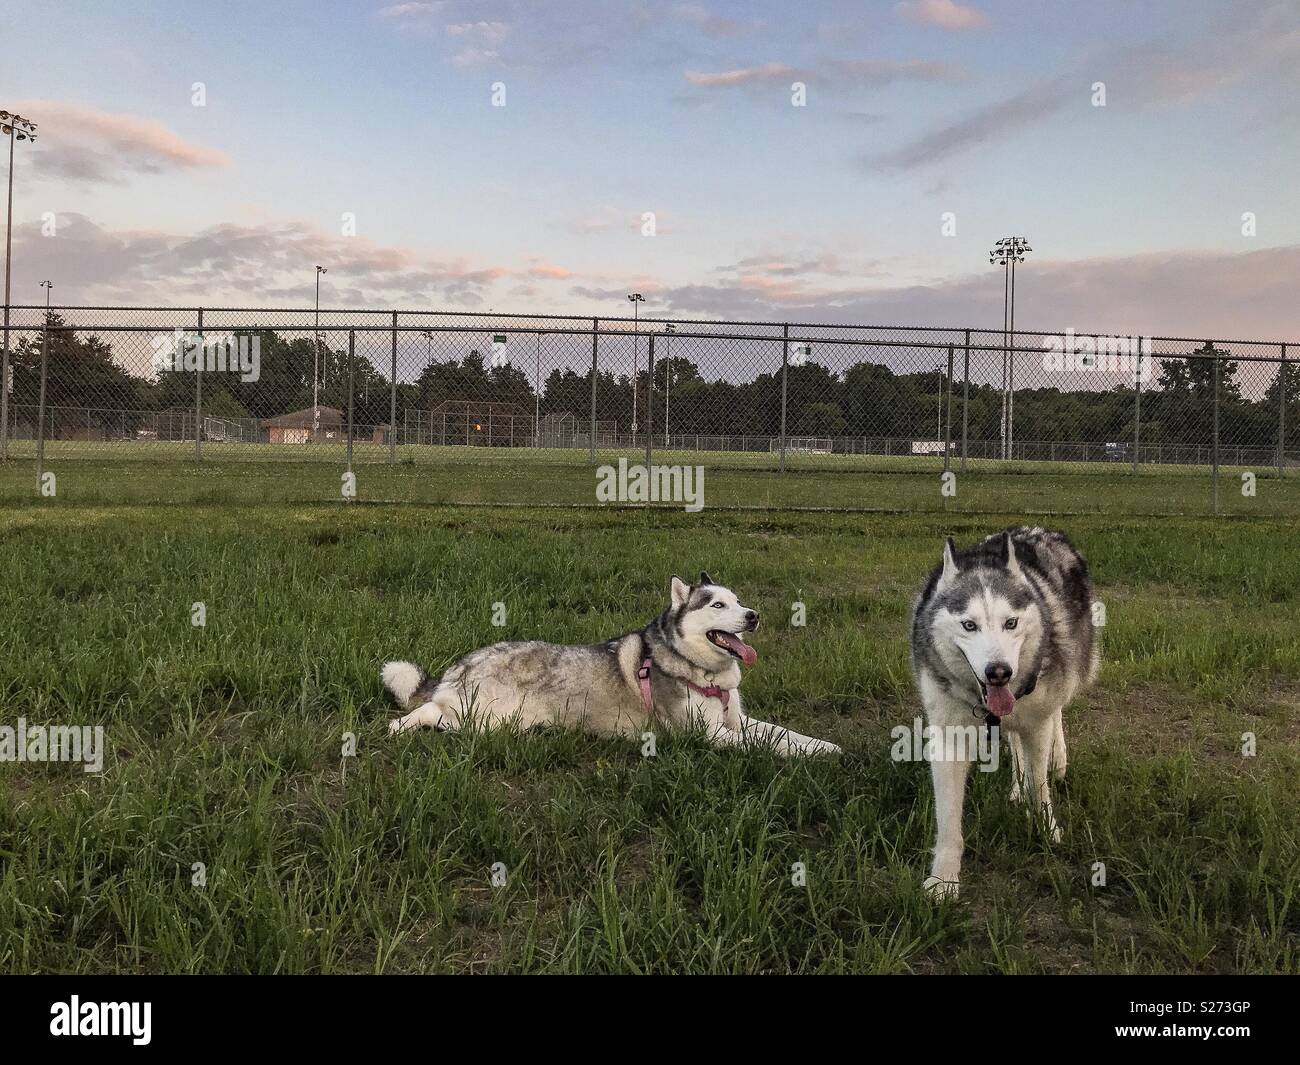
[
  {"x": 81, "y": 373},
  {"x": 1194, "y": 373},
  {"x": 1270, "y": 400},
  {"x": 873, "y": 399},
  {"x": 811, "y": 389},
  {"x": 819, "y": 419}
]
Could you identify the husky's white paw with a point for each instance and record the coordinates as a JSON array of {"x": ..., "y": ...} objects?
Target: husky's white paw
[
  {"x": 1054, "y": 830},
  {"x": 940, "y": 890},
  {"x": 1016, "y": 794},
  {"x": 821, "y": 747},
  {"x": 426, "y": 716}
]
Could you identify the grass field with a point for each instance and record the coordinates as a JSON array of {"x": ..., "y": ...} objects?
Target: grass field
[
  {"x": 224, "y": 748},
  {"x": 565, "y": 478}
]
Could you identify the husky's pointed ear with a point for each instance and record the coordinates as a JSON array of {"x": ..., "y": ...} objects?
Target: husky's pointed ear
[
  {"x": 706, "y": 579},
  {"x": 681, "y": 592},
  {"x": 949, "y": 563},
  {"x": 1009, "y": 556}
]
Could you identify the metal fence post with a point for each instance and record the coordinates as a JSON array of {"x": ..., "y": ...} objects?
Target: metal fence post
[
  {"x": 948, "y": 418},
  {"x": 965, "y": 400},
  {"x": 40, "y": 416},
  {"x": 649, "y": 404},
  {"x": 1215, "y": 457},
  {"x": 1281, "y": 413},
  {"x": 198, "y": 391},
  {"x": 1137, "y": 409},
  {"x": 392, "y": 402},
  {"x": 4, "y": 375},
  {"x": 352, "y": 348},
  {"x": 785, "y": 364},
  {"x": 595, "y": 333}
]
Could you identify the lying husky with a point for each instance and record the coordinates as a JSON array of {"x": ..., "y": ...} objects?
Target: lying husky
[
  {"x": 682, "y": 667},
  {"x": 1002, "y": 631}
]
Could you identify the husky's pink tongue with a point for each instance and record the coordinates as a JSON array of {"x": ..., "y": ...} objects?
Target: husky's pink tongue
[
  {"x": 1001, "y": 701},
  {"x": 747, "y": 654}
]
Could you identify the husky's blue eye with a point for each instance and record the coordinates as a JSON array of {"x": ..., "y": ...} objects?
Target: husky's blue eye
[
  {"x": 969, "y": 626},
  {"x": 719, "y": 605},
  {"x": 1010, "y": 623}
]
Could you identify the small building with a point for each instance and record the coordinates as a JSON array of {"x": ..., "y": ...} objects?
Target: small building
[{"x": 296, "y": 426}]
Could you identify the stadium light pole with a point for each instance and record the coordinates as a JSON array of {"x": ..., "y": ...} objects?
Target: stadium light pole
[
  {"x": 1006, "y": 253},
  {"x": 315, "y": 369},
  {"x": 997, "y": 257},
  {"x": 16, "y": 128},
  {"x": 635, "y": 298},
  {"x": 669, "y": 330},
  {"x": 1020, "y": 247}
]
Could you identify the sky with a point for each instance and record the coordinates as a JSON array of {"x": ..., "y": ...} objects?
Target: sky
[{"x": 838, "y": 162}]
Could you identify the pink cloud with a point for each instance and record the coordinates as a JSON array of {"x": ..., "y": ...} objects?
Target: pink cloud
[
  {"x": 856, "y": 72},
  {"x": 549, "y": 272},
  {"x": 271, "y": 262},
  {"x": 85, "y": 144},
  {"x": 768, "y": 72},
  {"x": 946, "y": 14}
]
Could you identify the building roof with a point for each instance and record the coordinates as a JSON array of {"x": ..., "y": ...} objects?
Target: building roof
[{"x": 330, "y": 418}]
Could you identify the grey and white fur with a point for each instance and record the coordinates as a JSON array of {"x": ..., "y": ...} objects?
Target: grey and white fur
[
  {"x": 1002, "y": 630},
  {"x": 697, "y": 639}
]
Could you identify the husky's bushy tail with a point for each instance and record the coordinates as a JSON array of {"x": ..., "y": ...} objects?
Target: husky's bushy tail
[{"x": 403, "y": 679}]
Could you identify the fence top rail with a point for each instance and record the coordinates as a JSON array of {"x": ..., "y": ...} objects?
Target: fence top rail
[
  {"x": 866, "y": 342},
  {"x": 513, "y": 316}
]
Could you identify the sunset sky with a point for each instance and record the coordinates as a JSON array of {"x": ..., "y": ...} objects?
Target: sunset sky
[{"x": 830, "y": 211}]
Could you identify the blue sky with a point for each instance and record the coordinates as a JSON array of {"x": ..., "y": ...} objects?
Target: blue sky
[{"x": 832, "y": 210}]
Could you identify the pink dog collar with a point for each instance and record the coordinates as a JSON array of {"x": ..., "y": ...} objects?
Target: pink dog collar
[{"x": 723, "y": 695}]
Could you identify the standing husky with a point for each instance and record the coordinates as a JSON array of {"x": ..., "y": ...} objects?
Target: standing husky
[
  {"x": 1002, "y": 631},
  {"x": 683, "y": 665}
]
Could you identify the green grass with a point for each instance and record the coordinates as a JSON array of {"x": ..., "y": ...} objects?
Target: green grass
[
  {"x": 225, "y": 742},
  {"x": 566, "y": 478}
]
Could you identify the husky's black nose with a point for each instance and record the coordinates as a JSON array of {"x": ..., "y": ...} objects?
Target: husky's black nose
[
  {"x": 752, "y": 617},
  {"x": 998, "y": 673}
]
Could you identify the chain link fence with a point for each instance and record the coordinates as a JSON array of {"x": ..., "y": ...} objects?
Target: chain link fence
[{"x": 432, "y": 389}]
